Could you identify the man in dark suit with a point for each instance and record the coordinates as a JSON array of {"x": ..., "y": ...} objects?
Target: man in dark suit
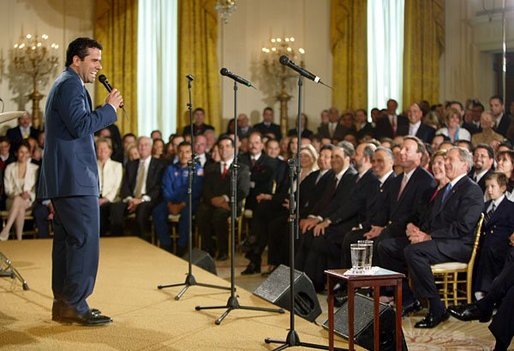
[
  {"x": 502, "y": 120},
  {"x": 498, "y": 226},
  {"x": 446, "y": 234},
  {"x": 214, "y": 210},
  {"x": 391, "y": 124},
  {"x": 483, "y": 161},
  {"x": 199, "y": 125},
  {"x": 382, "y": 161},
  {"x": 69, "y": 177},
  {"x": 318, "y": 250},
  {"x": 140, "y": 191},
  {"x": 332, "y": 130},
  {"x": 23, "y": 130},
  {"x": 472, "y": 123},
  {"x": 267, "y": 127},
  {"x": 501, "y": 296},
  {"x": 417, "y": 127}
]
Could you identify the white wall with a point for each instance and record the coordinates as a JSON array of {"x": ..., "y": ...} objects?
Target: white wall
[
  {"x": 471, "y": 42},
  {"x": 251, "y": 27},
  {"x": 61, "y": 20}
]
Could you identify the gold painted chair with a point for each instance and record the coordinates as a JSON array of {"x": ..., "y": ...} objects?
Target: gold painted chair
[{"x": 447, "y": 274}]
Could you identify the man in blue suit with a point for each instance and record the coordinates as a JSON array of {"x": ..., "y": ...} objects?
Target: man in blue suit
[{"x": 69, "y": 177}]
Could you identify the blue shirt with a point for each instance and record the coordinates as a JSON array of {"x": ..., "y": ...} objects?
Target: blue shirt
[{"x": 175, "y": 180}]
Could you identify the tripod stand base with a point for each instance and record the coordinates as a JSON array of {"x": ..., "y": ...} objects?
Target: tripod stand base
[
  {"x": 233, "y": 304},
  {"x": 190, "y": 281},
  {"x": 10, "y": 272},
  {"x": 293, "y": 340}
]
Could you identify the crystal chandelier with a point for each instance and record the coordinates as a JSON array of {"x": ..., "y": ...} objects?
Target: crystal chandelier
[
  {"x": 225, "y": 9},
  {"x": 33, "y": 56},
  {"x": 277, "y": 76}
]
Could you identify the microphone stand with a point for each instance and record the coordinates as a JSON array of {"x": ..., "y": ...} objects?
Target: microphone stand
[
  {"x": 191, "y": 165},
  {"x": 233, "y": 303},
  {"x": 292, "y": 339}
]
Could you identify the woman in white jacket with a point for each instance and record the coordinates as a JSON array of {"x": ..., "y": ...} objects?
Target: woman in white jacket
[{"x": 20, "y": 188}]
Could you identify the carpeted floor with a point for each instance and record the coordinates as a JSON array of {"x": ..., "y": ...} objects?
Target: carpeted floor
[{"x": 146, "y": 318}]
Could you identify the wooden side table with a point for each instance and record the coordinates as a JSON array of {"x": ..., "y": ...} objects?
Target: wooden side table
[{"x": 382, "y": 277}]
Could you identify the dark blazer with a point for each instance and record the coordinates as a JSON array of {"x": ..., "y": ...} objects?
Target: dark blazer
[
  {"x": 262, "y": 174},
  {"x": 69, "y": 166},
  {"x": 310, "y": 191},
  {"x": 330, "y": 202},
  {"x": 216, "y": 185},
  {"x": 15, "y": 137},
  {"x": 500, "y": 225},
  {"x": 306, "y": 133},
  {"x": 339, "y": 133},
  {"x": 451, "y": 223},
  {"x": 481, "y": 182},
  {"x": 472, "y": 128},
  {"x": 273, "y": 129},
  {"x": 362, "y": 194},
  {"x": 368, "y": 129},
  {"x": 384, "y": 129},
  {"x": 504, "y": 125},
  {"x": 398, "y": 212},
  {"x": 197, "y": 129},
  {"x": 377, "y": 204},
  {"x": 153, "y": 179},
  {"x": 425, "y": 133}
]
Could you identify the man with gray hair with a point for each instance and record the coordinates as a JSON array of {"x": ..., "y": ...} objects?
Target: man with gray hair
[{"x": 446, "y": 234}]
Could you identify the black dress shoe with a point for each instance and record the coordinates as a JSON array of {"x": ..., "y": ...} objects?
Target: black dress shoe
[
  {"x": 412, "y": 308},
  {"x": 252, "y": 268},
  {"x": 69, "y": 315},
  {"x": 58, "y": 306},
  {"x": 430, "y": 321},
  {"x": 469, "y": 313}
]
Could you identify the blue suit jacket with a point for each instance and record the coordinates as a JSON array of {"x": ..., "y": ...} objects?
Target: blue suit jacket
[{"x": 69, "y": 163}]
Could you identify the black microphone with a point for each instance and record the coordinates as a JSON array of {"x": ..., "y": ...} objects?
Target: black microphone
[
  {"x": 103, "y": 79},
  {"x": 287, "y": 62},
  {"x": 190, "y": 77},
  {"x": 226, "y": 72}
]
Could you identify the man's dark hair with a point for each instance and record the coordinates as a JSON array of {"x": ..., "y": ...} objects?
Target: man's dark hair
[
  {"x": 78, "y": 47},
  {"x": 489, "y": 149},
  {"x": 4, "y": 139},
  {"x": 225, "y": 137},
  {"x": 184, "y": 143},
  {"x": 326, "y": 147},
  {"x": 497, "y": 97},
  {"x": 199, "y": 109},
  {"x": 500, "y": 177},
  {"x": 268, "y": 109},
  {"x": 421, "y": 146}
]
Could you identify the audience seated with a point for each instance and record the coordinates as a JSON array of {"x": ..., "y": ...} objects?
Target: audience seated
[
  {"x": 214, "y": 210},
  {"x": 110, "y": 176},
  {"x": 453, "y": 129},
  {"x": 20, "y": 188},
  {"x": 267, "y": 127},
  {"x": 391, "y": 124},
  {"x": 417, "y": 127},
  {"x": 199, "y": 125},
  {"x": 487, "y": 135},
  {"x": 497, "y": 227},
  {"x": 505, "y": 164},
  {"x": 22, "y": 131},
  {"x": 483, "y": 162},
  {"x": 316, "y": 251},
  {"x": 501, "y": 120},
  {"x": 5, "y": 158},
  {"x": 306, "y": 132},
  {"x": 140, "y": 191},
  {"x": 176, "y": 199},
  {"x": 445, "y": 234}
]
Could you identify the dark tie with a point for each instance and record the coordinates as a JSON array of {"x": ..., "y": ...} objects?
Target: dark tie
[
  {"x": 446, "y": 192},
  {"x": 89, "y": 104},
  {"x": 490, "y": 213}
]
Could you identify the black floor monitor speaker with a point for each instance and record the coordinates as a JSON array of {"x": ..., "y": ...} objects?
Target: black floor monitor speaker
[
  {"x": 276, "y": 290},
  {"x": 202, "y": 259},
  {"x": 363, "y": 324}
]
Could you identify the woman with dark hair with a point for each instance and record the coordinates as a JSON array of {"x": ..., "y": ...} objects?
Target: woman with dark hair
[
  {"x": 20, "y": 188},
  {"x": 505, "y": 164},
  {"x": 306, "y": 132}
]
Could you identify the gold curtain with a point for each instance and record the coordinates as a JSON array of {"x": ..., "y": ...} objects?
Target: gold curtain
[
  {"x": 423, "y": 46},
  {"x": 116, "y": 30},
  {"x": 349, "y": 50},
  {"x": 198, "y": 55}
]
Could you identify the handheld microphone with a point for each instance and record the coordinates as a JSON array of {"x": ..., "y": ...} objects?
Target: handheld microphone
[
  {"x": 227, "y": 73},
  {"x": 287, "y": 62},
  {"x": 103, "y": 79},
  {"x": 190, "y": 77}
]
